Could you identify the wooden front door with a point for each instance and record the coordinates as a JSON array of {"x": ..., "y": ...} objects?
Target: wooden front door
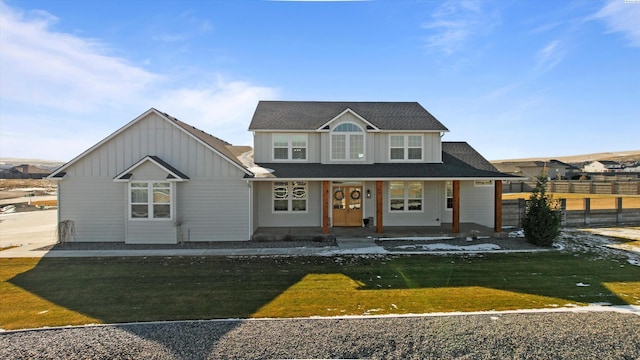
[{"x": 347, "y": 205}]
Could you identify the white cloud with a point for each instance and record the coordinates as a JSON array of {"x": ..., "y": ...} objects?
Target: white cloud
[
  {"x": 47, "y": 68},
  {"x": 550, "y": 56},
  {"x": 454, "y": 22},
  {"x": 223, "y": 108},
  {"x": 624, "y": 17},
  {"x": 60, "y": 92}
]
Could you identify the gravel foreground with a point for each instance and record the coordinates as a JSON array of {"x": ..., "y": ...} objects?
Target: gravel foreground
[{"x": 564, "y": 335}]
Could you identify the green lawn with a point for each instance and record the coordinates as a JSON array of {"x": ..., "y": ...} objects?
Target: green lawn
[{"x": 52, "y": 291}]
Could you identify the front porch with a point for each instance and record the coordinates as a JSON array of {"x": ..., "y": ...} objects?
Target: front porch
[{"x": 316, "y": 233}]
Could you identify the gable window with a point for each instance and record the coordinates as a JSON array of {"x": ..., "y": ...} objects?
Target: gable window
[
  {"x": 150, "y": 200},
  {"x": 448, "y": 194},
  {"x": 289, "y": 146},
  {"x": 405, "y": 196},
  {"x": 347, "y": 142},
  {"x": 290, "y": 196},
  {"x": 405, "y": 147}
]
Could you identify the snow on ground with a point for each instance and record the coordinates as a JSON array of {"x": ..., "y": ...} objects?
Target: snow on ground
[
  {"x": 440, "y": 246},
  {"x": 585, "y": 240},
  {"x": 417, "y": 238}
]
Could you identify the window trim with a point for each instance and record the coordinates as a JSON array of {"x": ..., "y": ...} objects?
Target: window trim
[
  {"x": 290, "y": 146},
  {"x": 150, "y": 203},
  {"x": 406, "y": 198},
  {"x": 405, "y": 148},
  {"x": 447, "y": 184},
  {"x": 348, "y": 135},
  {"x": 290, "y": 197}
]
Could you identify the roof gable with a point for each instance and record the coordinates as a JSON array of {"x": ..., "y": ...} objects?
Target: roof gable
[
  {"x": 313, "y": 115},
  {"x": 173, "y": 174},
  {"x": 215, "y": 144}
]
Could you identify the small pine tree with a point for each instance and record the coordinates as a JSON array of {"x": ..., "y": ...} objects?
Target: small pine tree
[{"x": 541, "y": 223}]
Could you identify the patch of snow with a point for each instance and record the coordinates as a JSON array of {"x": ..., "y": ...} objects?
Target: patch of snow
[
  {"x": 418, "y": 238},
  {"x": 582, "y": 284},
  {"x": 516, "y": 234},
  {"x": 440, "y": 246},
  {"x": 604, "y": 303},
  {"x": 634, "y": 262},
  {"x": 355, "y": 251}
]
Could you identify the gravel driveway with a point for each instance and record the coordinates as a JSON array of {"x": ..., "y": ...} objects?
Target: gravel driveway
[{"x": 567, "y": 335}]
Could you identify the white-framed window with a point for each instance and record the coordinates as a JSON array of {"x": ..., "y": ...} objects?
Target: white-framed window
[
  {"x": 289, "y": 146},
  {"x": 483, "y": 183},
  {"x": 290, "y": 196},
  {"x": 405, "y": 196},
  {"x": 405, "y": 147},
  {"x": 347, "y": 142},
  {"x": 150, "y": 200},
  {"x": 448, "y": 195}
]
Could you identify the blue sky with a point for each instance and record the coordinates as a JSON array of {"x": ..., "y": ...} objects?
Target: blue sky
[{"x": 513, "y": 78}]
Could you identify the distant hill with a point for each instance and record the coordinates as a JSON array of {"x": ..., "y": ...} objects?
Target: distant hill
[
  {"x": 7, "y": 163},
  {"x": 618, "y": 156}
]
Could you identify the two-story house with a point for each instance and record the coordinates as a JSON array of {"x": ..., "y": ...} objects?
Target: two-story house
[
  {"x": 331, "y": 164},
  {"x": 316, "y": 164}
]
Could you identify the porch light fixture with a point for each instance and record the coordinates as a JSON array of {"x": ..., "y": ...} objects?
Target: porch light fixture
[{"x": 368, "y": 194}]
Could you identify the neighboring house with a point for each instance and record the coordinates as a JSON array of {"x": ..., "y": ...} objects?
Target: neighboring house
[
  {"x": 555, "y": 169},
  {"x": 24, "y": 171},
  {"x": 316, "y": 164},
  {"x": 603, "y": 166}
]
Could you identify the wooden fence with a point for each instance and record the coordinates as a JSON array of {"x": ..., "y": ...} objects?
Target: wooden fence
[
  {"x": 513, "y": 212},
  {"x": 578, "y": 186}
]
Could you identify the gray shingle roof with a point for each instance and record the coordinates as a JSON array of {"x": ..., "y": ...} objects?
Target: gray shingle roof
[
  {"x": 220, "y": 145},
  {"x": 459, "y": 161},
  {"x": 311, "y": 115}
]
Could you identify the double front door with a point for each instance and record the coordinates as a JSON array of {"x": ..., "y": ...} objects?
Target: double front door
[{"x": 347, "y": 205}]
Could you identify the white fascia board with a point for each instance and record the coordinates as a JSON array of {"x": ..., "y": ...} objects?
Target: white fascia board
[
  {"x": 348, "y": 110},
  {"x": 386, "y": 179}
]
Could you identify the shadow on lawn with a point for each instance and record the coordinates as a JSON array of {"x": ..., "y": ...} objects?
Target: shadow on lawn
[{"x": 116, "y": 290}]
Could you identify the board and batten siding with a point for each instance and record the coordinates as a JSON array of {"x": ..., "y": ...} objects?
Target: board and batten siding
[{"x": 99, "y": 206}]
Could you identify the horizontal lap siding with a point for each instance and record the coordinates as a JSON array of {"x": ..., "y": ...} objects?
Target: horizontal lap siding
[
  {"x": 97, "y": 206},
  {"x": 476, "y": 204},
  {"x": 151, "y": 232},
  {"x": 214, "y": 210},
  {"x": 430, "y": 216},
  {"x": 265, "y": 217}
]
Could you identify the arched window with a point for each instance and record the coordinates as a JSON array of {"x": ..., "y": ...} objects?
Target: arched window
[{"x": 347, "y": 142}]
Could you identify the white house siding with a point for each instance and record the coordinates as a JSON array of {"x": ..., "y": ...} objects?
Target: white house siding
[
  {"x": 214, "y": 210},
  {"x": 476, "y": 204},
  {"x": 431, "y": 152},
  {"x": 263, "y": 147},
  {"x": 96, "y": 205},
  {"x": 99, "y": 206},
  {"x": 430, "y": 216},
  {"x": 264, "y": 216},
  {"x": 369, "y": 142}
]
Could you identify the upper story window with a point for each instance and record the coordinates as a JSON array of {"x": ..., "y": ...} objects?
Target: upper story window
[
  {"x": 289, "y": 146},
  {"x": 405, "y": 147},
  {"x": 347, "y": 142}
]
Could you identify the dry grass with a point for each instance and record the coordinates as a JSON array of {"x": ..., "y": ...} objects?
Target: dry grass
[
  {"x": 576, "y": 201},
  {"x": 11, "y": 184},
  {"x": 57, "y": 291},
  {"x": 45, "y": 203}
]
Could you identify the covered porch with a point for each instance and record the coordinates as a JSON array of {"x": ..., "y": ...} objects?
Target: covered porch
[{"x": 319, "y": 235}]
